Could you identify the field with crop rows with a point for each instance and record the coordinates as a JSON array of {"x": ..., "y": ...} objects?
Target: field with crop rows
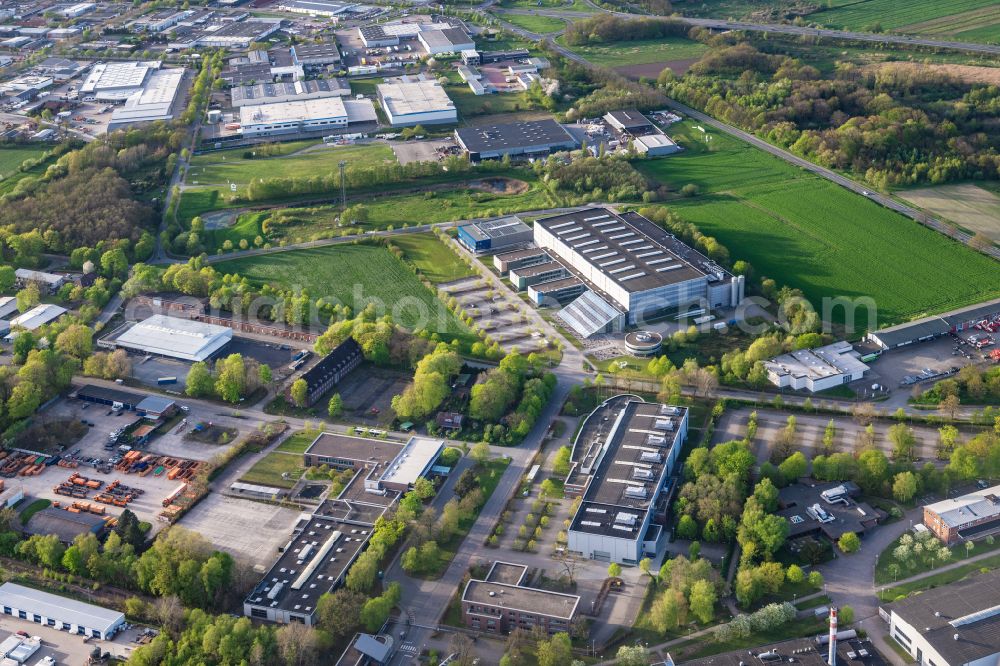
[
  {"x": 350, "y": 274},
  {"x": 806, "y": 232},
  {"x": 893, "y": 14}
]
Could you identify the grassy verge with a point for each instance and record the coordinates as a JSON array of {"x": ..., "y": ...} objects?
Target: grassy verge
[
  {"x": 883, "y": 575},
  {"x": 298, "y": 442},
  {"x": 487, "y": 477},
  {"x": 433, "y": 259},
  {"x": 272, "y": 468},
  {"x": 33, "y": 508},
  {"x": 935, "y": 580},
  {"x": 535, "y": 23}
]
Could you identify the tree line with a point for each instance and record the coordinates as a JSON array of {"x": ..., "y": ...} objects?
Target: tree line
[{"x": 893, "y": 125}]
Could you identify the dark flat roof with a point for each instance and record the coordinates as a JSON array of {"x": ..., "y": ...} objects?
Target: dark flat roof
[
  {"x": 511, "y": 136},
  {"x": 104, "y": 393},
  {"x": 505, "y": 572},
  {"x": 556, "y": 285},
  {"x": 940, "y": 613},
  {"x": 912, "y": 331},
  {"x": 354, "y": 448},
  {"x": 639, "y": 438},
  {"x": 527, "y": 599},
  {"x": 857, "y": 517},
  {"x": 634, "y": 252}
]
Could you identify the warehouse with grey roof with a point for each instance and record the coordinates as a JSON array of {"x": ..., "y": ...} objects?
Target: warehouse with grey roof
[{"x": 529, "y": 138}]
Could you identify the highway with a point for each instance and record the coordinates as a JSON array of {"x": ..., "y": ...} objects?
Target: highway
[
  {"x": 833, "y": 176},
  {"x": 784, "y": 29}
]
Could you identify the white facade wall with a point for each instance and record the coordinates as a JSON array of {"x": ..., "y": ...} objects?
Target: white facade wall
[
  {"x": 605, "y": 548},
  {"x": 426, "y": 118},
  {"x": 58, "y": 624},
  {"x": 634, "y": 303},
  {"x": 914, "y": 643}
]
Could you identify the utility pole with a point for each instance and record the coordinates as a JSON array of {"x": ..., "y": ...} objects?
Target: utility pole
[{"x": 343, "y": 185}]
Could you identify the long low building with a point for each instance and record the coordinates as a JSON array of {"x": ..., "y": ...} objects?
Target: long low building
[
  {"x": 530, "y": 138},
  {"x": 289, "y": 91},
  {"x": 36, "y": 317},
  {"x": 636, "y": 265},
  {"x": 311, "y": 115},
  {"x": 935, "y": 326},
  {"x": 620, "y": 462},
  {"x": 61, "y": 613},
  {"x": 407, "y": 103},
  {"x": 502, "y": 602},
  {"x": 816, "y": 369},
  {"x": 173, "y": 337},
  {"x": 331, "y": 369},
  {"x": 951, "y": 625},
  {"x": 966, "y": 518}
]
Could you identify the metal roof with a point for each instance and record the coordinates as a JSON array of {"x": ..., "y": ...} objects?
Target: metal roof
[
  {"x": 60, "y": 608},
  {"x": 175, "y": 337}
]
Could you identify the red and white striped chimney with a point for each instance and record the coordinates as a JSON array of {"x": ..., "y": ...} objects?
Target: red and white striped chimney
[{"x": 832, "y": 657}]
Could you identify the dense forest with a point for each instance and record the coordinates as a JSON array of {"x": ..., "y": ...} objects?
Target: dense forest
[
  {"x": 96, "y": 193},
  {"x": 892, "y": 124}
]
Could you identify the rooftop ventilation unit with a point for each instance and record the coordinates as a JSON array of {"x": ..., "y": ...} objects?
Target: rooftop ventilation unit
[
  {"x": 650, "y": 457},
  {"x": 656, "y": 440},
  {"x": 635, "y": 492},
  {"x": 642, "y": 474},
  {"x": 664, "y": 424},
  {"x": 625, "y": 518}
]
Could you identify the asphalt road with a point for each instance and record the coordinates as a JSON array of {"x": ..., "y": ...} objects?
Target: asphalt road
[{"x": 881, "y": 199}]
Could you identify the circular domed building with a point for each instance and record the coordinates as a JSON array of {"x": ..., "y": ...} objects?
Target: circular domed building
[{"x": 643, "y": 343}]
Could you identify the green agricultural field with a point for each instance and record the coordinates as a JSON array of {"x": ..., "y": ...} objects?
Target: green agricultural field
[
  {"x": 12, "y": 157},
  {"x": 640, "y": 52},
  {"x": 535, "y": 23},
  {"x": 806, "y": 232},
  {"x": 436, "y": 261},
  {"x": 893, "y": 14},
  {"x": 316, "y": 160},
  {"x": 344, "y": 272}
]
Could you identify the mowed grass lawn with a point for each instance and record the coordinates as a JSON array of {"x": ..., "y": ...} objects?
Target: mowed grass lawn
[
  {"x": 535, "y": 23},
  {"x": 317, "y": 161},
  {"x": 298, "y": 442},
  {"x": 272, "y": 469},
  {"x": 891, "y": 14},
  {"x": 11, "y": 158},
  {"x": 806, "y": 232},
  {"x": 353, "y": 274},
  {"x": 640, "y": 52},
  {"x": 435, "y": 260}
]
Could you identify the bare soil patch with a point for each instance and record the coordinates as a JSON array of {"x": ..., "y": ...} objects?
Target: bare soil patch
[
  {"x": 500, "y": 185},
  {"x": 966, "y": 73},
  {"x": 967, "y": 205},
  {"x": 651, "y": 70}
]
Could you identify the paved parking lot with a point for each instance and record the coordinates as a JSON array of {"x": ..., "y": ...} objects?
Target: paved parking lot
[
  {"x": 502, "y": 314},
  {"x": 67, "y": 649},
  {"x": 809, "y": 431},
  {"x": 248, "y": 530}
]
